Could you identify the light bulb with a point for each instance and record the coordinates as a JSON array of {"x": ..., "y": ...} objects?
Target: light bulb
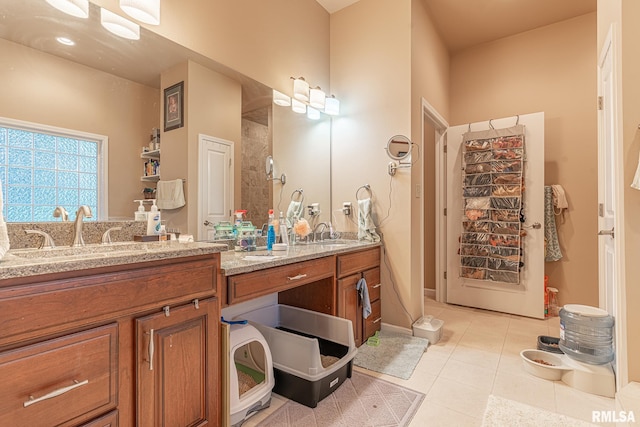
[
  {"x": 313, "y": 114},
  {"x": 147, "y": 11},
  {"x": 77, "y": 8},
  {"x": 332, "y": 106},
  {"x": 281, "y": 99},
  {"x": 118, "y": 25},
  {"x": 301, "y": 89},
  {"x": 298, "y": 106},
  {"x": 316, "y": 98}
]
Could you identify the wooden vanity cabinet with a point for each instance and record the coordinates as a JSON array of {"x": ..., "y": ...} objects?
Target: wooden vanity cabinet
[
  {"x": 351, "y": 267},
  {"x": 78, "y": 344}
]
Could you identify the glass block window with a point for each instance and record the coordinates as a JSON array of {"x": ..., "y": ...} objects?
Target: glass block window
[{"x": 41, "y": 170}]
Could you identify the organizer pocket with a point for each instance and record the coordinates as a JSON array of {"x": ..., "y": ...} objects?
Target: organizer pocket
[
  {"x": 476, "y": 238},
  {"x": 508, "y": 215},
  {"x": 505, "y": 190},
  {"x": 475, "y": 250},
  {"x": 503, "y": 264},
  {"x": 478, "y": 262},
  {"x": 505, "y": 228},
  {"x": 503, "y": 276},
  {"x": 481, "y": 179},
  {"x": 476, "y": 214},
  {"x": 511, "y": 254},
  {"x": 477, "y": 191},
  {"x": 478, "y": 157},
  {"x": 505, "y": 202},
  {"x": 506, "y": 166},
  {"x": 507, "y": 142},
  {"x": 477, "y": 145},
  {"x": 478, "y": 203},
  {"x": 504, "y": 240},
  {"x": 507, "y": 178},
  {"x": 473, "y": 273},
  {"x": 507, "y": 154},
  {"x": 476, "y": 226},
  {"x": 478, "y": 168}
]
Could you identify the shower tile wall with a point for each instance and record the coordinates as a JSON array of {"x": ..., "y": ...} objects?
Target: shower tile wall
[{"x": 256, "y": 146}]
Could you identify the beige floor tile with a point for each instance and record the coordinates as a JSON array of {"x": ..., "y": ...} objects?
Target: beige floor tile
[
  {"x": 459, "y": 397},
  {"x": 480, "y": 358},
  {"x": 483, "y": 341},
  {"x": 578, "y": 404},
  {"x": 525, "y": 388},
  {"x": 433, "y": 361},
  {"x": 470, "y": 374},
  {"x": 510, "y": 364},
  {"x": 435, "y": 415}
]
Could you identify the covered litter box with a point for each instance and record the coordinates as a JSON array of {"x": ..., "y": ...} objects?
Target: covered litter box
[
  {"x": 250, "y": 373},
  {"x": 312, "y": 352}
]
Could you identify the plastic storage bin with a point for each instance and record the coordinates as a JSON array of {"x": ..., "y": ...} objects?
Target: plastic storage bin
[
  {"x": 300, "y": 340},
  {"x": 586, "y": 334},
  {"x": 251, "y": 376},
  {"x": 429, "y": 328}
]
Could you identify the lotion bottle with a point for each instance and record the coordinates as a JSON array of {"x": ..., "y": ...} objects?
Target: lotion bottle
[
  {"x": 153, "y": 221},
  {"x": 271, "y": 233}
]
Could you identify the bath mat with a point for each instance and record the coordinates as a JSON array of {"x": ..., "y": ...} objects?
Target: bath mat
[
  {"x": 396, "y": 354},
  {"x": 360, "y": 400},
  {"x": 504, "y": 412}
]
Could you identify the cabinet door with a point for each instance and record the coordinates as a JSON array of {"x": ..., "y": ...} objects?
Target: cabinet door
[
  {"x": 349, "y": 306},
  {"x": 177, "y": 360}
]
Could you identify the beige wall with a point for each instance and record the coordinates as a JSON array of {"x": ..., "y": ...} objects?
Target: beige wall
[
  {"x": 268, "y": 41},
  {"x": 371, "y": 73},
  {"x": 550, "y": 69},
  {"x": 429, "y": 80},
  {"x": 44, "y": 89},
  {"x": 623, "y": 15}
]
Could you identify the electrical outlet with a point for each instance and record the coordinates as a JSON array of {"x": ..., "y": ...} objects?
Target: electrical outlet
[
  {"x": 418, "y": 191},
  {"x": 346, "y": 208}
]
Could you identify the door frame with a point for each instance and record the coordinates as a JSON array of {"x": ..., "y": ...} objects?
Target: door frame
[
  {"x": 612, "y": 46},
  {"x": 432, "y": 116},
  {"x": 202, "y": 184}
]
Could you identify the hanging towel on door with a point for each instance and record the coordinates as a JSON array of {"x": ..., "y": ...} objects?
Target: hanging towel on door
[
  {"x": 552, "y": 245},
  {"x": 560, "y": 204},
  {"x": 170, "y": 194},
  {"x": 363, "y": 291},
  {"x": 366, "y": 226}
]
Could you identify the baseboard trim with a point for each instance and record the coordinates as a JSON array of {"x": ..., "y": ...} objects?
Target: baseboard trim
[
  {"x": 387, "y": 327},
  {"x": 430, "y": 293}
]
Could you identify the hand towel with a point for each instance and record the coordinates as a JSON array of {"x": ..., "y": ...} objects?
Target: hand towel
[
  {"x": 4, "y": 235},
  {"x": 170, "y": 194},
  {"x": 552, "y": 252},
  {"x": 361, "y": 287},
  {"x": 294, "y": 212},
  {"x": 366, "y": 226}
]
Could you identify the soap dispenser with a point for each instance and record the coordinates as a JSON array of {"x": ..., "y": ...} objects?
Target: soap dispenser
[
  {"x": 153, "y": 220},
  {"x": 271, "y": 233},
  {"x": 140, "y": 214}
]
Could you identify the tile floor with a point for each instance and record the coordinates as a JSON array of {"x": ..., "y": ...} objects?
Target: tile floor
[{"x": 479, "y": 355}]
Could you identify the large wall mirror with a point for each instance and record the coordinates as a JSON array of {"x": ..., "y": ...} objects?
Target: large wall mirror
[{"x": 110, "y": 86}]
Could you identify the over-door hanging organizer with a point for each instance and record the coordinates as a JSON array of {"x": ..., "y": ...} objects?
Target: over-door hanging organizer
[{"x": 492, "y": 186}]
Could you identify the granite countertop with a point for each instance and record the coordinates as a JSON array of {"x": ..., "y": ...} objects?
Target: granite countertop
[
  {"x": 233, "y": 262},
  {"x": 31, "y": 262}
]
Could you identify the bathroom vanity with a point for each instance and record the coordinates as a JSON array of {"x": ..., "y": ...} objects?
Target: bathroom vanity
[
  {"x": 77, "y": 332},
  {"x": 129, "y": 334}
]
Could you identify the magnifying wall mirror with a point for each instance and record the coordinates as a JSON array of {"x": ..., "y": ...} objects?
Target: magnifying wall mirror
[
  {"x": 268, "y": 167},
  {"x": 398, "y": 149}
]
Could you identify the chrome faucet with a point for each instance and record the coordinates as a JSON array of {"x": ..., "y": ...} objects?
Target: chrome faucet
[
  {"x": 47, "y": 241},
  {"x": 84, "y": 211},
  {"x": 106, "y": 237},
  {"x": 60, "y": 212},
  {"x": 315, "y": 230}
]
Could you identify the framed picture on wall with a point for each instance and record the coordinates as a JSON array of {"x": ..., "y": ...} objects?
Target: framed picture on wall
[{"x": 173, "y": 107}]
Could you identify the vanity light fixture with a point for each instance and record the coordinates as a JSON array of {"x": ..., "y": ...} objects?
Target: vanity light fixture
[
  {"x": 281, "y": 99},
  {"x": 313, "y": 114},
  {"x": 77, "y": 8},
  {"x": 300, "y": 89},
  {"x": 298, "y": 106},
  {"x": 118, "y": 25},
  {"x": 316, "y": 98},
  {"x": 147, "y": 11},
  {"x": 332, "y": 106}
]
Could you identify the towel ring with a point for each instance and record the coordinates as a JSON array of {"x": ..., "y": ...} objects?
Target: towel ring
[
  {"x": 366, "y": 187},
  {"x": 301, "y": 195}
]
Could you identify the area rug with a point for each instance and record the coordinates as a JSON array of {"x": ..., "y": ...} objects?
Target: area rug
[
  {"x": 508, "y": 413},
  {"x": 396, "y": 354},
  {"x": 361, "y": 400}
]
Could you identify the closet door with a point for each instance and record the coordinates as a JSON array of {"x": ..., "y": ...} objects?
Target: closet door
[{"x": 524, "y": 294}]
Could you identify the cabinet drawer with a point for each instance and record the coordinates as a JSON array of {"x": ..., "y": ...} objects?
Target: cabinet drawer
[
  {"x": 71, "y": 302},
  {"x": 243, "y": 287},
  {"x": 373, "y": 322},
  {"x": 373, "y": 283},
  {"x": 358, "y": 261},
  {"x": 63, "y": 381},
  {"x": 109, "y": 420}
]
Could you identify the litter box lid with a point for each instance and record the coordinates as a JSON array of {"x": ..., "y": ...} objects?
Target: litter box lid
[{"x": 585, "y": 310}]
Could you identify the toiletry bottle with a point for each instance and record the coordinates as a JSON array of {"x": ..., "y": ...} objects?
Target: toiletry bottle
[
  {"x": 284, "y": 233},
  {"x": 153, "y": 220},
  {"x": 163, "y": 233},
  {"x": 140, "y": 214},
  {"x": 271, "y": 233}
]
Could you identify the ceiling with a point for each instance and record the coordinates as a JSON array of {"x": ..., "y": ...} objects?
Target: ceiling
[{"x": 465, "y": 23}]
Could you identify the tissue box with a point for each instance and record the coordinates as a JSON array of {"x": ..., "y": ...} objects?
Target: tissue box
[{"x": 429, "y": 328}]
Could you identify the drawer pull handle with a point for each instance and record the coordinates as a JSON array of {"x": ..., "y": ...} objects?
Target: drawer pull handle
[
  {"x": 55, "y": 393},
  {"x": 377, "y": 320},
  {"x": 298, "y": 277},
  {"x": 152, "y": 350},
  {"x": 377, "y": 286}
]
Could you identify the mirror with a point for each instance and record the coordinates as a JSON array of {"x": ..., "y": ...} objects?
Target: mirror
[
  {"x": 44, "y": 74},
  {"x": 399, "y": 147}
]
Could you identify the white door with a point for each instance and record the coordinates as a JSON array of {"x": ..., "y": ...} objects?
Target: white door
[
  {"x": 611, "y": 282},
  {"x": 215, "y": 177},
  {"x": 527, "y": 297}
]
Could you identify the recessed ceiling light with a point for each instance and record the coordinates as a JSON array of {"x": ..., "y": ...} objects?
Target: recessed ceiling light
[{"x": 65, "y": 41}]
